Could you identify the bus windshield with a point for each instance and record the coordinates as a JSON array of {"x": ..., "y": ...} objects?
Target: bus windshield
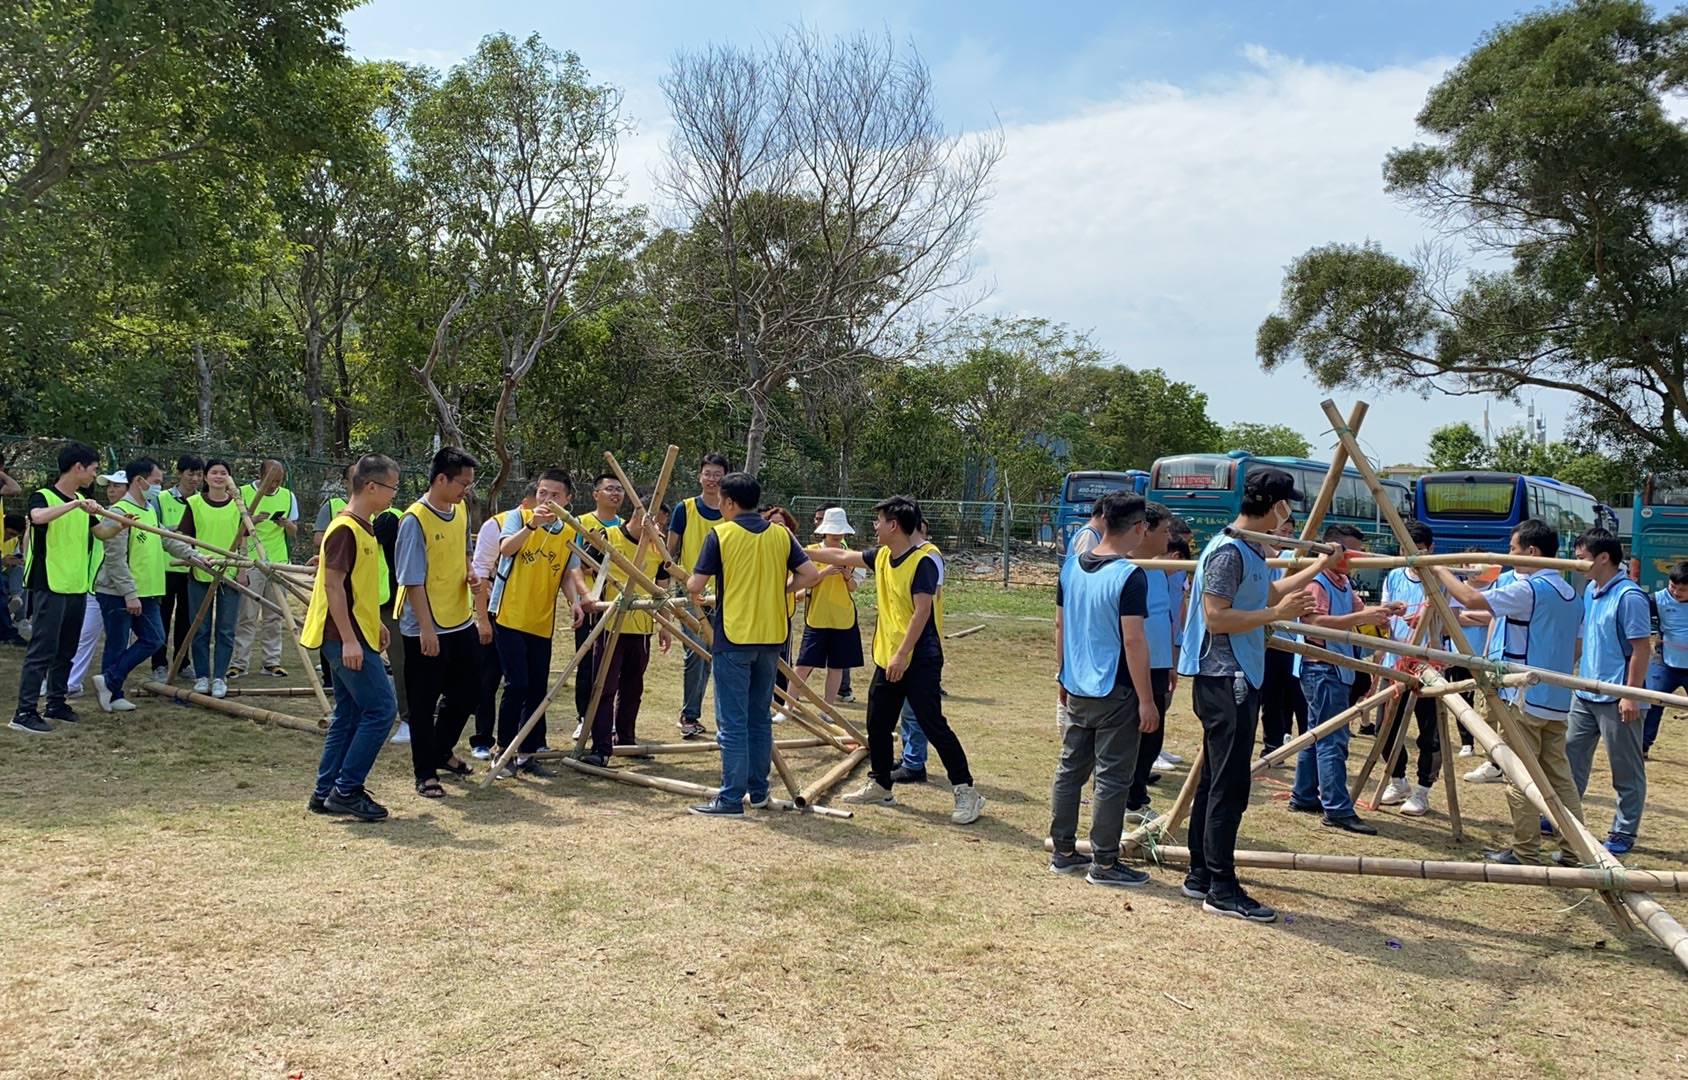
[
  {"x": 1087, "y": 488},
  {"x": 1667, "y": 489},
  {"x": 1194, "y": 474},
  {"x": 1471, "y": 500}
]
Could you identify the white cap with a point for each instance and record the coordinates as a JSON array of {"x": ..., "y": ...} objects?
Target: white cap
[
  {"x": 834, "y": 523},
  {"x": 118, "y": 477}
]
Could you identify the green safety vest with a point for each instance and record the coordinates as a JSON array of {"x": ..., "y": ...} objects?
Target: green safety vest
[
  {"x": 218, "y": 525},
  {"x": 170, "y": 511},
  {"x": 270, "y": 534},
  {"x": 146, "y": 550},
  {"x": 335, "y": 505},
  {"x": 71, "y": 559}
]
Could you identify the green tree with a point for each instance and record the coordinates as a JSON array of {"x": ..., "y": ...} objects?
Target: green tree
[
  {"x": 1266, "y": 440},
  {"x": 1550, "y": 144},
  {"x": 1455, "y": 447},
  {"x": 1125, "y": 418}
]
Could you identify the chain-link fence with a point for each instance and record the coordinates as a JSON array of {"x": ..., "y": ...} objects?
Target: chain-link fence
[{"x": 1016, "y": 544}]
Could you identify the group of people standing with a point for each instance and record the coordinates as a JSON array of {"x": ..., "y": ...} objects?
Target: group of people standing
[{"x": 1122, "y": 645}]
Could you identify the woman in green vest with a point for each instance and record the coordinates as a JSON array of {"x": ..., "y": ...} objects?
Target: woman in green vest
[
  {"x": 214, "y": 517},
  {"x": 173, "y": 610}
]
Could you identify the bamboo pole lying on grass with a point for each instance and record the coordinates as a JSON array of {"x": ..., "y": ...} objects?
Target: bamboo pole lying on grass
[
  {"x": 821, "y": 786},
  {"x": 700, "y": 747},
  {"x": 235, "y": 708},
  {"x": 686, "y": 787},
  {"x": 274, "y": 691}
]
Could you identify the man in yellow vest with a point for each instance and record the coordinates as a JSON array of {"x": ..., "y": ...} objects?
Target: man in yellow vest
[
  {"x": 436, "y": 618},
  {"x": 608, "y": 497},
  {"x": 129, "y": 584},
  {"x": 536, "y": 562},
  {"x": 386, "y": 534},
  {"x": 343, "y": 621},
  {"x": 908, "y": 654},
  {"x": 754, "y": 564},
  {"x": 275, "y": 512},
  {"x": 173, "y": 611},
  {"x": 616, "y": 721},
  {"x": 58, "y": 568},
  {"x": 214, "y": 517},
  {"x": 688, "y": 526}
]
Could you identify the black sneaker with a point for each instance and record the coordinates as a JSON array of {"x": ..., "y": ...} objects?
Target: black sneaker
[
  {"x": 757, "y": 804},
  {"x": 594, "y": 759},
  {"x": 1194, "y": 888},
  {"x": 1116, "y": 876},
  {"x": 717, "y": 808},
  {"x": 357, "y": 804},
  {"x": 1240, "y": 906},
  {"x": 1367, "y": 729},
  {"x": 31, "y": 723},
  {"x": 63, "y": 711},
  {"x": 317, "y": 805},
  {"x": 534, "y": 768},
  {"x": 843, "y": 695},
  {"x": 1071, "y": 863},
  {"x": 1304, "y": 808},
  {"x": 900, "y": 775},
  {"x": 1352, "y": 823}
]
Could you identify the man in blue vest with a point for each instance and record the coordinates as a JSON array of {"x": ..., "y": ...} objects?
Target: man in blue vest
[
  {"x": 1101, "y": 603},
  {"x": 1321, "y": 772},
  {"x": 1233, "y": 598},
  {"x": 1668, "y": 672},
  {"x": 1617, "y": 647},
  {"x": 1537, "y": 619}
]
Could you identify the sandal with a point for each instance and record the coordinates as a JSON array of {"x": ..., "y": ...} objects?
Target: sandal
[
  {"x": 430, "y": 789},
  {"x": 458, "y": 767}
]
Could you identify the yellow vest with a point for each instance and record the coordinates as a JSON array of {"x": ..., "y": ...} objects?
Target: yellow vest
[
  {"x": 594, "y": 524},
  {"x": 896, "y": 602},
  {"x": 216, "y": 525},
  {"x": 447, "y": 544},
  {"x": 637, "y": 622},
  {"x": 697, "y": 527},
  {"x": 528, "y": 601},
  {"x": 271, "y": 536},
  {"x": 145, "y": 550},
  {"x": 366, "y": 588},
  {"x": 830, "y": 605},
  {"x": 170, "y": 511},
  {"x": 70, "y": 550},
  {"x": 750, "y": 592}
]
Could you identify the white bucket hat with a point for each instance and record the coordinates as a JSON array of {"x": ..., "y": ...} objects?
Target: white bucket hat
[
  {"x": 834, "y": 523},
  {"x": 118, "y": 477}
]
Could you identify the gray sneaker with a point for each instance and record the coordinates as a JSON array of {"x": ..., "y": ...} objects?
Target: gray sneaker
[
  {"x": 1068, "y": 864},
  {"x": 1115, "y": 875}
]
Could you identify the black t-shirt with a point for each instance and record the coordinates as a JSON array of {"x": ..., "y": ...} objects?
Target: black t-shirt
[
  {"x": 37, "y": 578},
  {"x": 709, "y": 564},
  {"x": 1133, "y": 601},
  {"x": 929, "y": 646}
]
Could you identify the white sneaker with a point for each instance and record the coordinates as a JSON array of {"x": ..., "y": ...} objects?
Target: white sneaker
[
  {"x": 159, "y": 674},
  {"x": 1486, "y": 773},
  {"x": 778, "y": 718},
  {"x": 102, "y": 692},
  {"x": 1396, "y": 792},
  {"x": 122, "y": 704},
  {"x": 1173, "y": 758},
  {"x": 1419, "y": 804},
  {"x": 969, "y": 804},
  {"x": 871, "y": 794},
  {"x": 1467, "y": 751},
  {"x": 479, "y": 753},
  {"x": 578, "y": 724},
  {"x": 402, "y": 735},
  {"x": 219, "y": 688},
  {"x": 202, "y": 686},
  {"x": 1165, "y": 762}
]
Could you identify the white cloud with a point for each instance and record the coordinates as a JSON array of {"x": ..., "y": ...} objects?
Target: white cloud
[{"x": 1163, "y": 221}]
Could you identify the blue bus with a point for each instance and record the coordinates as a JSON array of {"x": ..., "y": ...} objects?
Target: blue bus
[
  {"x": 1661, "y": 529},
  {"x": 1478, "y": 509},
  {"x": 1079, "y": 493},
  {"x": 1206, "y": 490}
]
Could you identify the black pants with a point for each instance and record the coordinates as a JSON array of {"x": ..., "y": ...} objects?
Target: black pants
[
  {"x": 586, "y": 672},
  {"x": 624, "y": 688},
  {"x": 175, "y": 612},
  {"x": 919, "y": 688},
  {"x": 1429, "y": 741},
  {"x": 55, "y": 628},
  {"x": 442, "y": 695},
  {"x": 1282, "y": 704},
  {"x": 490, "y": 672},
  {"x": 1458, "y": 674},
  {"x": 1149, "y": 743},
  {"x": 1227, "y": 708},
  {"x": 525, "y": 660}
]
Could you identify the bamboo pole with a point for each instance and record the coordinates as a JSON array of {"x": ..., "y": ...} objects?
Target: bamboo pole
[
  {"x": 659, "y": 749},
  {"x": 1392, "y": 718},
  {"x": 787, "y": 779},
  {"x": 235, "y": 708},
  {"x": 1449, "y": 773},
  {"x": 275, "y": 580},
  {"x": 193, "y": 630},
  {"x": 532, "y": 721},
  {"x": 822, "y": 785},
  {"x": 600, "y": 676},
  {"x": 1558, "y": 877},
  {"x": 1318, "y": 731},
  {"x": 684, "y": 787},
  {"x": 1313, "y": 652},
  {"x": 1454, "y": 560},
  {"x": 277, "y": 691}
]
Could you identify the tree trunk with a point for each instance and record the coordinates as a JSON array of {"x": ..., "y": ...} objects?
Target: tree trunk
[
  {"x": 313, "y": 390},
  {"x": 502, "y": 417},
  {"x": 202, "y": 367},
  {"x": 342, "y": 398},
  {"x": 757, "y": 435}
]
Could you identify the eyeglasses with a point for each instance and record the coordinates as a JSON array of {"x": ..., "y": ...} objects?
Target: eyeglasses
[{"x": 394, "y": 488}]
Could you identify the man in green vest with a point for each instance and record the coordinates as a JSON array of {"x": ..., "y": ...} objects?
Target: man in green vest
[
  {"x": 275, "y": 512},
  {"x": 173, "y": 611},
  {"x": 58, "y": 569},
  {"x": 129, "y": 584}
]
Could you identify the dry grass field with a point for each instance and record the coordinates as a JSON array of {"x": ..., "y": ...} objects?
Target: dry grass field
[{"x": 170, "y": 909}]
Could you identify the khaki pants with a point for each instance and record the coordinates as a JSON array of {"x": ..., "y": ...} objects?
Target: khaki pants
[
  {"x": 258, "y": 622},
  {"x": 1545, "y": 739}
]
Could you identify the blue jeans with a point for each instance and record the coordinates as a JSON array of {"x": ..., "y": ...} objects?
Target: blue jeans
[
  {"x": 364, "y": 707},
  {"x": 744, "y": 696},
  {"x": 209, "y": 664},
  {"x": 696, "y": 678},
  {"x": 122, "y": 656},
  {"x": 915, "y": 746},
  {"x": 1321, "y": 771},
  {"x": 1665, "y": 679}
]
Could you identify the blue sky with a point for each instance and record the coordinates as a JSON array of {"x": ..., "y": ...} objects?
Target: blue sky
[{"x": 1164, "y": 161}]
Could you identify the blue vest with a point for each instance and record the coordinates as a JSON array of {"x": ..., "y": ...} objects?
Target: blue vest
[
  {"x": 1673, "y": 628},
  {"x": 1158, "y": 626},
  {"x": 1076, "y": 546},
  {"x": 1253, "y": 593},
  {"x": 1606, "y": 651},
  {"x": 1549, "y": 640},
  {"x": 1341, "y": 603},
  {"x": 1091, "y": 646}
]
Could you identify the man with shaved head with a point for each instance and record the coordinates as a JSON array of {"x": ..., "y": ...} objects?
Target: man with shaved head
[{"x": 275, "y": 512}]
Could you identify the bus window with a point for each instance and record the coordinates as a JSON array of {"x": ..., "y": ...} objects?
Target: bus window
[
  {"x": 1353, "y": 499},
  {"x": 1667, "y": 489},
  {"x": 1478, "y": 500},
  {"x": 1194, "y": 474}
]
